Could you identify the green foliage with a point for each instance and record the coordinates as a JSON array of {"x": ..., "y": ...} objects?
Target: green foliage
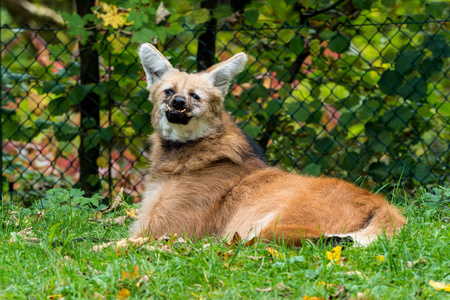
[{"x": 325, "y": 89}]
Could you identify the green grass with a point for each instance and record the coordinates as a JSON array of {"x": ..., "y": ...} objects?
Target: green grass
[{"x": 57, "y": 267}]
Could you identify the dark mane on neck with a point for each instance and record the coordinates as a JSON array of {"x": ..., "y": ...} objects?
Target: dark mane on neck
[{"x": 175, "y": 145}]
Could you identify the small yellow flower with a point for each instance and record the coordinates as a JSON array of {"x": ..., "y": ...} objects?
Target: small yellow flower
[
  {"x": 335, "y": 254},
  {"x": 380, "y": 257}
]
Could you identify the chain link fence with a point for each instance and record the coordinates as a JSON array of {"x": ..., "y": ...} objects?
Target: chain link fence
[{"x": 366, "y": 102}]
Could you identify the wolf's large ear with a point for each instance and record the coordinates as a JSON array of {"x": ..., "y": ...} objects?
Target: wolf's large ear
[
  {"x": 222, "y": 73},
  {"x": 154, "y": 63}
]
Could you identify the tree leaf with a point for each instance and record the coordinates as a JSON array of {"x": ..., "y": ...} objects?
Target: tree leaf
[
  {"x": 143, "y": 35},
  {"x": 141, "y": 123},
  {"x": 339, "y": 43},
  {"x": 138, "y": 18},
  {"x": 298, "y": 111},
  {"x": 297, "y": 45},
  {"x": 363, "y": 4},
  {"x": 388, "y": 3},
  {"x": 251, "y": 16},
  {"x": 201, "y": 16},
  {"x": 390, "y": 82},
  {"x": 312, "y": 169}
]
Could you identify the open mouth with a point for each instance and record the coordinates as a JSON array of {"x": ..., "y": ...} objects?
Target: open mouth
[{"x": 177, "y": 116}]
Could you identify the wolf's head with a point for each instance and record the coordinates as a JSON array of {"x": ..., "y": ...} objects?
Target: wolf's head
[{"x": 187, "y": 106}]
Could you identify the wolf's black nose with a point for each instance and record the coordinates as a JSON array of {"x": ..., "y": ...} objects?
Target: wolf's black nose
[{"x": 179, "y": 103}]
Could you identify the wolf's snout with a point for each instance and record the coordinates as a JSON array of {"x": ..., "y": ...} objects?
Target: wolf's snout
[{"x": 179, "y": 103}]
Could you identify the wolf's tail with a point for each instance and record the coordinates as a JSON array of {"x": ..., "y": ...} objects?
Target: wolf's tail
[{"x": 386, "y": 220}]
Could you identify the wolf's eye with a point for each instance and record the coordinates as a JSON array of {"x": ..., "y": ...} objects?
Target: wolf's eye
[
  {"x": 169, "y": 92},
  {"x": 195, "y": 96}
]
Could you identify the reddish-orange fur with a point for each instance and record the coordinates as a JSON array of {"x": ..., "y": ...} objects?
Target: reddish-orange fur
[{"x": 216, "y": 184}]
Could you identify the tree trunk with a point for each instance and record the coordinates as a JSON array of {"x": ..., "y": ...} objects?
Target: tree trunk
[
  {"x": 206, "y": 53},
  {"x": 89, "y": 106}
]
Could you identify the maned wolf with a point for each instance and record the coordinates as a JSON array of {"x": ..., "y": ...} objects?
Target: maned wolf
[{"x": 207, "y": 178}]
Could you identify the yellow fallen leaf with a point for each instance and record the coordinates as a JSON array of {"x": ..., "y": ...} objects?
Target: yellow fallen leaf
[
  {"x": 131, "y": 212},
  {"x": 132, "y": 275},
  {"x": 57, "y": 296},
  {"x": 440, "y": 286},
  {"x": 312, "y": 298},
  {"x": 335, "y": 254},
  {"x": 274, "y": 252},
  {"x": 123, "y": 294},
  {"x": 327, "y": 285}
]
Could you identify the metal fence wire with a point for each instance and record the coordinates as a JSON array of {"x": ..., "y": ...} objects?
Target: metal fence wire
[{"x": 366, "y": 102}]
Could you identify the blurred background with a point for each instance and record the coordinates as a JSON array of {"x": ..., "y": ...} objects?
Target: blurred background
[{"x": 354, "y": 89}]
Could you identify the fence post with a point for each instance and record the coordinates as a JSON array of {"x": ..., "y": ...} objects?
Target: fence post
[
  {"x": 206, "y": 52},
  {"x": 89, "y": 106}
]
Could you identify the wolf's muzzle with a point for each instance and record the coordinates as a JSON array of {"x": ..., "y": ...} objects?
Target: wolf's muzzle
[
  {"x": 177, "y": 111},
  {"x": 179, "y": 103}
]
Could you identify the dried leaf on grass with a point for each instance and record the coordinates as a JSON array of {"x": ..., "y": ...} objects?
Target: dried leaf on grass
[
  {"x": 122, "y": 244},
  {"x": 130, "y": 275},
  {"x": 255, "y": 257},
  {"x": 280, "y": 286},
  {"x": 109, "y": 221},
  {"x": 411, "y": 264},
  {"x": 361, "y": 296},
  {"x": 357, "y": 273},
  {"x": 226, "y": 255},
  {"x": 26, "y": 235},
  {"x": 326, "y": 284},
  {"x": 274, "y": 252},
  {"x": 99, "y": 296},
  {"x": 440, "y": 286},
  {"x": 263, "y": 290},
  {"x": 134, "y": 275},
  {"x": 235, "y": 241},
  {"x": 123, "y": 294},
  {"x": 142, "y": 279},
  {"x": 56, "y": 296},
  {"x": 131, "y": 213}
]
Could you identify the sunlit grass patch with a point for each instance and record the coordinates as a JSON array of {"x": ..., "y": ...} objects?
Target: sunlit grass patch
[{"x": 46, "y": 252}]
